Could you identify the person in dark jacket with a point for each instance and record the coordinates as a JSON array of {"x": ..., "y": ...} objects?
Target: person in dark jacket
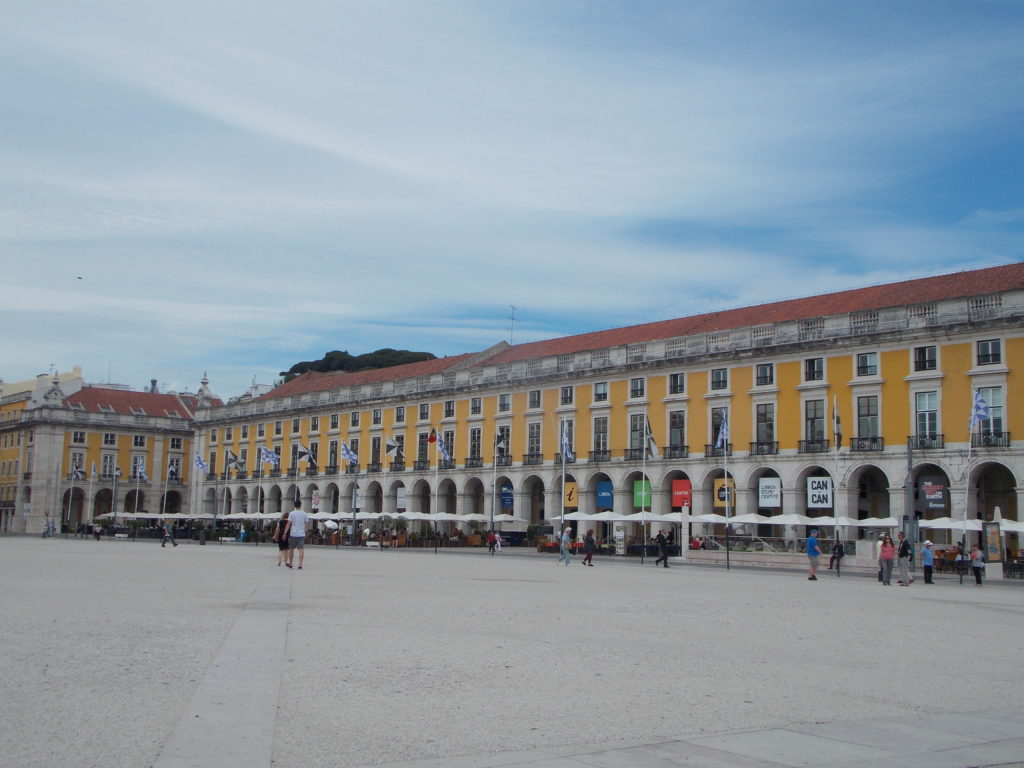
[
  {"x": 662, "y": 540},
  {"x": 589, "y": 547}
]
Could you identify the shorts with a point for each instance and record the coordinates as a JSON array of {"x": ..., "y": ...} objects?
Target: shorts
[
  {"x": 814, "y": 560},
  {"x": 296, "y": 542}
]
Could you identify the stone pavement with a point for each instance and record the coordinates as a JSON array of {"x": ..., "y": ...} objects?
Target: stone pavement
[{"x": 121, "y": 653}]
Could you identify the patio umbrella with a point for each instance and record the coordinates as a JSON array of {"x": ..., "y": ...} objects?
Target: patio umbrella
[
  {"x": 949, "y": 524},
  {"x": 793, "y": 519},
  {"x": 877, "y": 522},
  {"x": 506, "y": 518},
  {"x": 710, "y": 517},
  {"x": 1011, "y": 526},
  {"x": 749, "y": 519}
]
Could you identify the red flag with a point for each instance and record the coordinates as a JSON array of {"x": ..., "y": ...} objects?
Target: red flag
[{"x": 433, "y": 436}]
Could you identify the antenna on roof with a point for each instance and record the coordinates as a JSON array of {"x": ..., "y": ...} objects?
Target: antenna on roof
[{"x": 512, "y": 323}]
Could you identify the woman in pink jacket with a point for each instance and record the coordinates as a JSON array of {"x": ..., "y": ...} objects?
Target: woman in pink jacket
[{"x": 886, "y": 556}]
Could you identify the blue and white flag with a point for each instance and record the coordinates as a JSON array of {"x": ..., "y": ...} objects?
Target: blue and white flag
[
  {"x": 348, "y": 454},
  {"x": 143, "y": 477},
  {"x": 94, "y": 471},
  {"x": 442, "y": 449},
  {"x": 723, "y": 433},
  {"x": 563, "y": 443},
  {"x": 304, "y": 454},
  {"x": 837, "y": 427},
  {"x": 172, "y": 470},
  {"x": 391, "y": 447},
  {"x": 200, "y": 464},
  {"x": 77, "y": 473},
  {"x": 267, "y": 456},
  {"x": 979, "y": 412},
  {"x": 650, "y": 444}
]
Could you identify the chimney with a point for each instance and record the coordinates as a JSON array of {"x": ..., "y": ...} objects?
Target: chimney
[{"x": 152, "y": 386}]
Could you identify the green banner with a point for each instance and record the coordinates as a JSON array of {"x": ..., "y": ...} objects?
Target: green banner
[{"x": 642, "y": 494}]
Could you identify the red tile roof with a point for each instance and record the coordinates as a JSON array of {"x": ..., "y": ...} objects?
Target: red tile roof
[
  {"x": 314, "y": 381},
  {"x": 100, "y": 400},
  {"x": 919, "y": 291}
]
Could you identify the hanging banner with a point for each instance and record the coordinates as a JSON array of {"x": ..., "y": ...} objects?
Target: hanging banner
[
  {"x": 642, "y": 494},
  {"x": 769, "y": 492},
  {"x": 932, "y": 491},
  {"x": 400, "y": 497},
  {"x": 819, "y": 492},
  {"x": 572, "y": 494},
  {"x": 681, "y": 493},
  {"x": 507, "y": 497},
  {"x": 316, "y": 501},
  {"x": 723, "y": 492},
  {"x": 605, "y": 495}
]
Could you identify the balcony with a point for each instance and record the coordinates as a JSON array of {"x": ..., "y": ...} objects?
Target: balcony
[
  {"x": 331, "y": 469},
  {"x": 312, "y": 472},
  {"x": 449, "y": 464},
  {"x": 862, "y": 444},
  {"x": 600, "y": 456},
  {"x": 293, "y": 472},
  {"x": 677, "y": 452},
  {"x": 474, "y": 462},
  {"x": 504, "y": 460},
  {"x": 711, "y": 450},
  {"x": 568, "y": 459},
  {"x": 926, "y": 442},
  {"x": 421, "y": 465},
  {"x": 633, "y": 454},
  {"x": 764, "y": 448},
  {"x": 26, "y": 476},
  {"x": 990, "y": 440},
  {"x": 274, "y": 473},
  {"x": 813, "y": 446},
  {"x": 398, "y": 465},
  {"x": 257, "y": 474},
  {"x": 532, "y": 459},
  {"x": 372, "y": 468},
  {"x": 351, "y": 469}
]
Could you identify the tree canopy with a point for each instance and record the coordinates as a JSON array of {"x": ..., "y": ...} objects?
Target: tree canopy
[{"x": 339, "y": 360}]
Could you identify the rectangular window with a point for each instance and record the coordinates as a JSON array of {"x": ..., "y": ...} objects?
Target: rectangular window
[
  {"x": 353, "y": 419},
  {"x": 213, "y": 435},
  {"x": 245, "y": 431},
  {"x": 719, "y": 378},
  {"x": 377, "y": 416},
  {"x": 765, "y": 420},
  {"x": 814, "y": 370},
  {"x": 867, "y": 364},
  {"x": 601, "y": 433},
  {"x": 109, "y": 438},
  {"x": 989, "y": 352},
  {"x": 505, "y": 438},
  {"x": 676, "y": 429},
  {"x": 765, "y": 374},
  {"x": 567, "y": 395},
  {"x": 400, "y": 414},
  {"x": 476, "y": 406},
  {"x": 637, "y": 387},
  {"x": 814, "y": 420},
  {"x": 449, "y": 409},
  {"x": 421, "y": 446},
  {"x": 925, "y": 358},
  {"x": 926, "y": 414},
  {"x": 676, "y": 383},
  {"x": 78, "y": 437},
  {"x": 295, "y": 426},
  {"x": 138, "y": 467},
  {"x": 637, "y": 431},
  {"x": 375, "y": 450},
  {"x": 353, "y": 444},
  {"x": 174, "y": 468},
  {"x": 107, "y": 465},
  {"x": 534, "y": 398},
  {"x": 229, "y": 434},
  {"x": 993, "y": 396},
  {"x": 504, "y": 402},
  {"x": 867, "y": 416},
  {"x": 261, "y": 430},
  {"x": 332, "y": 454},
  {"x": 314, "y": 423},
  {"x": 175, "y": 443},
  {"x": 566, "y": 425},
  {"x": 138, "y": 441},
  {"x": 449, "y": 442},
  {"x": 600, "y": 391},
  {"x": 533, "y": 438},
  {"x": 475, "y": 438},
  {"x": 717, "y": 415},
  {"x": 335, "y": 419},
  {"x": 424, "y": 411},
  {"x": 277, "y": 428}
]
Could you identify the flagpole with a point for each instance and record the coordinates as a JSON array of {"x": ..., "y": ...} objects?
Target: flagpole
[
  {"x": 163, "y": 491},
  {"x": 437, "y": 496},
  {"x": 643, "y": 493},
  {"x": 494, "y": 478},
  {"x": 967, "y": 492},
  {"x": 71, "y": 495},
  {"x": 837, "y": 437},
  {"x": 728, "y": 494},
  {"x": 92, "y": 477}
]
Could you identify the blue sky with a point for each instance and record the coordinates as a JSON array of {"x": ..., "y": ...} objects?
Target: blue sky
[{"x": 242, "y": 186}]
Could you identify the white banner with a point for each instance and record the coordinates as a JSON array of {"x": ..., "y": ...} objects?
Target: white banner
[
  {"x": 400, "y": 497},
  {"x": 769, "y": 492},
  {"x": 819, "y": 492}
]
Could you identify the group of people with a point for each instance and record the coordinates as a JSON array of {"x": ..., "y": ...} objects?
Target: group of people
[
  {"x": 290, "y": 535},
  {"x": 565, "y": 547}
]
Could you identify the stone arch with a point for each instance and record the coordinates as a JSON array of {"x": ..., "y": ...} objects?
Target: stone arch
[
  {"x": 474, "y": 497},
  {"x": 72, "y": 508},
  {"x": 372, "y": 498},
  {"x": 240, "y": 506},
  {"x": 532, "y": 492},
  {"x": 171, "y": 502}
]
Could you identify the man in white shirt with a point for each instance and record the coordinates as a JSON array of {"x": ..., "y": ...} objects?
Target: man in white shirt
[{"x": 296, "y": 533}]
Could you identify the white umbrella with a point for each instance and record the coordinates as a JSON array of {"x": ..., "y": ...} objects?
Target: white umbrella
[
  {"x": 710, "y": 517},
  {"x": 506, "y": 518},
  {"x": 471, "y": 517},
  {"x": 792, "y": 519},
  {"x": 1011, "y": 526},
  {"x": 877, "y": 522},
  {"x": 578, "y": 516},
  {"x": 950, "y": 524},
  {"x": 749, "y": 519}
]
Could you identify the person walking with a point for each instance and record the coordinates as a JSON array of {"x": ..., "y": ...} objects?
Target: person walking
[
  {"x": 662, "y": 541},
  {"x": 813, "y": 555},
  {"x": 903, "y": 553},
  {"x": 927, "y": 561},
  {"x": 886, "y": 555},
  {"x": 296, "y": 532},
  {"x": 977, "y": 564},
  {"x": 589, "y": 547},
  {"x": 565, "y": 547},
  {"x": 492, "y": 541},
  {"x": 280, "y": 539},
  {"x": 838, "y": 553},
  {"x": 166, "y": 536},
  {"x": 497, "y": 541}
]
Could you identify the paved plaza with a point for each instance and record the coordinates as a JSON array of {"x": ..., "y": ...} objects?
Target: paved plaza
[{"x": 120, "y": 653}]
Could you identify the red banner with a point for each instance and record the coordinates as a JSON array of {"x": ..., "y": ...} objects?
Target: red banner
[{"x": 681, "y": 493}]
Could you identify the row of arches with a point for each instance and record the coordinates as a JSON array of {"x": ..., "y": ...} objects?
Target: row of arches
[{"x": 78, "y": 506}]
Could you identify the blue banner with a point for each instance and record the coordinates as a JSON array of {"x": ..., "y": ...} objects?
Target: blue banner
[
  {"x": 605, "y": 492},
  {"x": 506, "y": 497}
]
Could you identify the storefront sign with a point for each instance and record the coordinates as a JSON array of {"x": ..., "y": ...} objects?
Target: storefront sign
[
  {"x": 769, "y": 493},
  {"x": 642, "y": 494},
  {"x": 572, "y": 494},
  {"x": 724, "y": 494},
  {"x": 507, "y": 497},
  {"x": 605, "y": 495},
  {"x": 933, "y": 492},
  {"x": 400, "y": 497},
  {"x": 819, "y": 492},
  {"x": 681, "y": 493}
]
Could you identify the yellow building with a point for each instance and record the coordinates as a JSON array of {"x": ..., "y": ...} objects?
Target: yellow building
[{"x": 754, "y": 394}]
